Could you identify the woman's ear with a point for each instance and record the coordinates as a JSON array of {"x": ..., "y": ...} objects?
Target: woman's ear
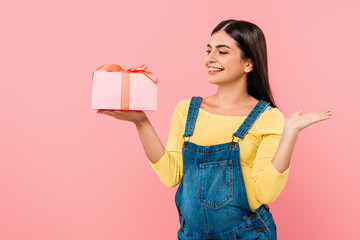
[{"x": 249, "y": 65}]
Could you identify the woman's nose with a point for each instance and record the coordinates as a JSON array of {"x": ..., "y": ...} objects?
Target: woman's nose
[{"x": 211, "y": 58}]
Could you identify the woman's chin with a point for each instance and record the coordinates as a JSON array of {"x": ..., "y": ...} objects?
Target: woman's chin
[
  {"x": 215, "y": 81},
  {"x": 212, "y": 81}
]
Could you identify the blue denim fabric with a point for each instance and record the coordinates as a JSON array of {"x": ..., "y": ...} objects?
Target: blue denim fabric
[{"x": 211, "y": 198}]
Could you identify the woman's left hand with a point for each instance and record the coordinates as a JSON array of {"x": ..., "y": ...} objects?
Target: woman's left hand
[{"x": 298, "y": 121}]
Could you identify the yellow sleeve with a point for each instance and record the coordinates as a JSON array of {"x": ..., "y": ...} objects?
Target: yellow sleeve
[
  {"x": 169, "y": 168},
  {"x": 266, "y": 181}
]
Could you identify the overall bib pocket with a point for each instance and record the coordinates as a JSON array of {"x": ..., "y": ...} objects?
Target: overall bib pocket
[{"x": 216, "y": 183}]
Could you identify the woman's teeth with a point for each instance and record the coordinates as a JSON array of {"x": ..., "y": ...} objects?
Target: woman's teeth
[{"x": 215, "y": 70}]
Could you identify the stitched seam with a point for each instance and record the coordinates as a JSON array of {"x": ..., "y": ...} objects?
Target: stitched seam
[
  {"x": 195, "y": 115},
  {"x": 192, "y": 118},
  {"x": 221, "y": 150},
  {"x": 269, "y": 220},
  {"x": 266, "y": 227},
  {"x": 256, "y": 110},
  {"x": 222, "y": 162},
  {"x": 221, "y": 236},
  {"x": 247, "y": 121},
  {"x": 188, "y": 120},
  {"x": 189, "y": 130},
  {"x": 250, "y": 121},
  {"x": 204, "y": 152},
  {"x": 212, "y": 227}
]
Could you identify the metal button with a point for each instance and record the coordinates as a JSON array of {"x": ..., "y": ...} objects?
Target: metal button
[
  {"x": 260, "y": 229},
  {"x": 232, "y": 144},
  {"x": 253, "y": 215},
  {"x": 185, "y": 144}
]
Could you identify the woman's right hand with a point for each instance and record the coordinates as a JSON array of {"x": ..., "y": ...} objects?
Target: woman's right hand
[{"x": 135, "y": 116}]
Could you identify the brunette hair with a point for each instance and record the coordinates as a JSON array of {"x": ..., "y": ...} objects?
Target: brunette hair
[{"x": 251, "y": 40}]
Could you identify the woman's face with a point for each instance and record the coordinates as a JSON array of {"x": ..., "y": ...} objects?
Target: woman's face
[{"x": 223, "y": 53}]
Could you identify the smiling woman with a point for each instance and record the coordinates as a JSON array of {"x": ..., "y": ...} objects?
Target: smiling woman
[
  {"x": 238, "y": 48},
  {"x": 238, "y": 159}
]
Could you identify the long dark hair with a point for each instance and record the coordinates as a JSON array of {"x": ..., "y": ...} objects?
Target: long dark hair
[{"x": 251, "y": 40}]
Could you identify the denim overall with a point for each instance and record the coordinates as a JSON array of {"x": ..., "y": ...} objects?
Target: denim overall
[{"x": 211, "y": 198}]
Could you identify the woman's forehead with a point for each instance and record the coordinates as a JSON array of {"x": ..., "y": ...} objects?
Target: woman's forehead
[{"x": 221, "y": 38}]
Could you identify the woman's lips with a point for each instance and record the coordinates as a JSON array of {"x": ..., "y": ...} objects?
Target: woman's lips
[{"x": 215, "y": 72}]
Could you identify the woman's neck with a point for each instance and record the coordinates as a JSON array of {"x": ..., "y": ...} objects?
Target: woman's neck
[{"x": 232, "y": 96}]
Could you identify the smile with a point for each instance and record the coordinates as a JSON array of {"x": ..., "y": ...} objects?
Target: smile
[{"x": 213, "y": 71}]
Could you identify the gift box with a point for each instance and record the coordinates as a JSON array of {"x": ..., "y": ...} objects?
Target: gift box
[{"x": 131, "y": 89}]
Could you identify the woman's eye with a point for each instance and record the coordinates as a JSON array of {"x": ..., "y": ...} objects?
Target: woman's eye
[{"x": 208, "y": 51}]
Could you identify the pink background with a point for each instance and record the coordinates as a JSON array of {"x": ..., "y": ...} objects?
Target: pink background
[{"x": 69, "y": 173}]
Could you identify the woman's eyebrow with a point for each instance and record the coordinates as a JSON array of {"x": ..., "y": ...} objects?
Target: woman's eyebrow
[{"x": 219, "y": 46}]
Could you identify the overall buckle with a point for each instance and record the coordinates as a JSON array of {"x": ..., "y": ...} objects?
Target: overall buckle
[
  {"x": 232, "y": 144},
  {"x": 186, "y": 141}
]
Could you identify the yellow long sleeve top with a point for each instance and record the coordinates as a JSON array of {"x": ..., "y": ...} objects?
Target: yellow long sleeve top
[{"x": 263, "y": 182}]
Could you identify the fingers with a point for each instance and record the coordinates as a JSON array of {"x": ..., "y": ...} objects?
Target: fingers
[
  {"x": 322, "y": 115},
  {"x": 107, "y": 112},
  {"x": 324, "y": 112},
  {"x": 117, "y": 111},
  {"x": 113, "y": 113},
  {"x": 119, "y": 114}
]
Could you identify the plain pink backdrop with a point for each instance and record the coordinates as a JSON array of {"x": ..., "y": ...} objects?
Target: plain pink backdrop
[{"x": 69, "y": 173}]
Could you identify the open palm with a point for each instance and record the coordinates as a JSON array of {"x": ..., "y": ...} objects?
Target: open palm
[{"x": 298, "y": 120}]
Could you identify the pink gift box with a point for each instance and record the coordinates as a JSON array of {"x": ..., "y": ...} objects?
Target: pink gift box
[{"x": 124, "y": 90}]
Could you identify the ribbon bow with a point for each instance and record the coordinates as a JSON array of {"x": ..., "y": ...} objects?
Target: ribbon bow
[{"x": 117, "y": 68}]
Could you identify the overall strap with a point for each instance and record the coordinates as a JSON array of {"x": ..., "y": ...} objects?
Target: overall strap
[
  {"x": 192, "y": 116},
  {"x": 251, "y": 118}
]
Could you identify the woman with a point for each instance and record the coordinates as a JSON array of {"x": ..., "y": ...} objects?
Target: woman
[{"x": 224, "y": 192}]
